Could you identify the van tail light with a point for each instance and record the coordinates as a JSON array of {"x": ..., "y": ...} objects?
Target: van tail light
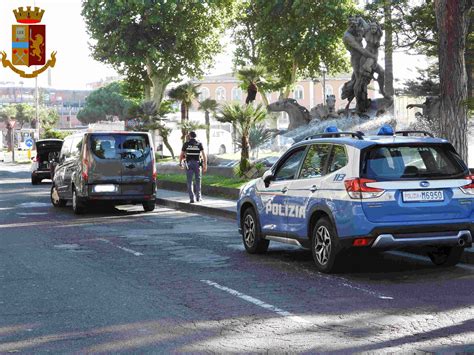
[
  {"x": 155, "y": 174},
  {"x": 469, "y": 188},
  {"x": 357, "y": 189},
  {"x": 85, "y": 166}
]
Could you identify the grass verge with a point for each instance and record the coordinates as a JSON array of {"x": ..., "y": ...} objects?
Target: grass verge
[{"x": 208, "y": 180}]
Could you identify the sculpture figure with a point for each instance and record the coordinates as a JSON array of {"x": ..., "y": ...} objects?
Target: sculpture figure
[
  {"x": 323, "y": 112},
  {"x": 298, "y": 115},
  {"x": 363, "y": 61}
]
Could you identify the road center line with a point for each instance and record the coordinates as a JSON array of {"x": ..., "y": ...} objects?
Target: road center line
[
  {"x": 257, "y": 302},
  {"x": 136, "y": 253}
]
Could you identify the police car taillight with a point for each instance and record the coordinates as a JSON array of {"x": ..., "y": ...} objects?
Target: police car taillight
[
  {"x": 358, "y": 189},
  {"x": 469, "y": 188}
]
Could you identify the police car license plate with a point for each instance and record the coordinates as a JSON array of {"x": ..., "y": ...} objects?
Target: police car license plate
[{"x": 421, "y": 196}]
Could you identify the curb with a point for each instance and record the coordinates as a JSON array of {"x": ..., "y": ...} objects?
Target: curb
[
  {"x": 214, "y": 191},
  {"x": 194, "y": 207}
]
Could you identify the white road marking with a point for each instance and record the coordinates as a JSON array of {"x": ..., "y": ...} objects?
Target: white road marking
[
  {"x": 34, "y": 204},
  {"x": 257, "y": 302},
  {"x": 31, "y": 213},
  {"x": 427, "y": 259},
  {"x": 136, "y": 253}
]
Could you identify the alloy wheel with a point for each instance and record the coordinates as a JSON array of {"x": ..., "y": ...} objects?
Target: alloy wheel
[
  {"x": 322, "y": 247},
  {"x": 249, "y": 230}
]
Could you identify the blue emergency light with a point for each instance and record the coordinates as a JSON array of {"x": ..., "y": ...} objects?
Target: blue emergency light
[
  {"x": 331, "y": 129},
  {"x": 386, "y": 130}
]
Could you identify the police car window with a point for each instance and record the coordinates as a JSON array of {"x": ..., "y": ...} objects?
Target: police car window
[
  {"x": 315, "y": 161},
  {"x": 339, "y": 158},
  {"x": 134, "y": 147},
  {"x": 411, "y": 162},
  {"x": 289, "y": 168},
  {"x": 103, "y": 146}
]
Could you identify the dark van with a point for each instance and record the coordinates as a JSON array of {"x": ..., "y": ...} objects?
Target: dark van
[
  {"x": 116, "y": 167},
  {"x": 47, "y": 152}
]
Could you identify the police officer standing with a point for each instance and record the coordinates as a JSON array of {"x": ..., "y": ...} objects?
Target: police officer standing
[{"x": 191, "y": 154}]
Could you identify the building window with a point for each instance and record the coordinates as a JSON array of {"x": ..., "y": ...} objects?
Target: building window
[
  {"x": 204, "y": 94},
  {"x": 236, "y": 94},
  {"x": 298, "y": 93},
  {"x": 220, "y": 94}
]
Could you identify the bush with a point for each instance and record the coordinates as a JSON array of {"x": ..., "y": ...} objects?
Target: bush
[{"x": 52, "y": 134}]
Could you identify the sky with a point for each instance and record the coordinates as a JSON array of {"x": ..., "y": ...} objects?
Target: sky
[{"x": 75, "y": 68}]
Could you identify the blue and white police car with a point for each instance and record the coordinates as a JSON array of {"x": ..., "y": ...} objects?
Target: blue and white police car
[{"x": 341, "y": 191}]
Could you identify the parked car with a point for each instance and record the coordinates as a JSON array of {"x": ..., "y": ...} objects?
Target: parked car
[
  {"x": 116, "y": 167},
  {"x": 339, "y": 192},
  {"x": 47, "y": 151}
]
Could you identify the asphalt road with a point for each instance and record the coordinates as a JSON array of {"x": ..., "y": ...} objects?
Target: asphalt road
[{"x": 121, "y": 280}]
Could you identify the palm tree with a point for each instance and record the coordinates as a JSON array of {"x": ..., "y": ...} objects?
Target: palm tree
[
  {"x": 184, "y": 93},
  {"x": 257, "y": 75},
  {"x": 153, "y": 119},
  {"x": 208, "y": 106},
  {"x": 258, "y": 136},
  {"x": 243, "y": 117}
]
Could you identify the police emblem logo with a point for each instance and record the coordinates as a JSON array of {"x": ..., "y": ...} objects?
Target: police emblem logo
[{"x": 28, "y": 42}]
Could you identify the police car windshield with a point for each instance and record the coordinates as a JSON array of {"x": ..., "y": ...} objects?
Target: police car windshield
[{"x": 393, "y": 162}]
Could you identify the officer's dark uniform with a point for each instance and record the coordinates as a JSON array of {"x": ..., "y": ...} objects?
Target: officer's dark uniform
[{"x": 192, "y": 150}]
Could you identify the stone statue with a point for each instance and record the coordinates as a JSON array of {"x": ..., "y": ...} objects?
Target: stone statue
[
  {"x": 363, "y": 61},
  {"x": 298, "y": 115},
  {"x": 430, "y": 107},
  {"x": 323, "y": 112}
]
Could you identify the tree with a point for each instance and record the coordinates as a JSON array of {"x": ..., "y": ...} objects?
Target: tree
[
  {"x": 243, "y": 117},
  {"x": 105, "y": 103},
  {"x": 185, "y": 94},
  {"x": 295, "y": 37},
  {"x": 259, "y": 76},
  {"x": 22, "y": 113},
  {"x": 258, "y": 136},
  {"x": 153, "y": 119},
  {"x": 425, "y": 84},
  {"x": 208, "y": 106},
  {"x": 452, "y": 18},
  {"x": 156, "y": 42}
]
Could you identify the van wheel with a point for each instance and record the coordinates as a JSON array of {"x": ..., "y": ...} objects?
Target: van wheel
[
  {"x": 56, "y": 201},
  {"x": 325, "y": 246},
  {"x": 251, "y": 234},
  {"x": 77, "y": 205},
  {"x": 149, "y": 206},
  {"x": 446, "y": 256}
]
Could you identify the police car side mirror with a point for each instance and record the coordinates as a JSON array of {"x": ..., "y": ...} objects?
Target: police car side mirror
[{"x": 267, "y": 179}]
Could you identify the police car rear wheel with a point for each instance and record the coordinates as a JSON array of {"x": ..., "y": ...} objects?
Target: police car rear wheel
[
  {"x": 251, "y": 235},
  {"x": 324, "y": 246},
  {"x": 446, "y": 256}
]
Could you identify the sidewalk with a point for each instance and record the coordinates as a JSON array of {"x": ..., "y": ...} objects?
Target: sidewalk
[
  {"x": 227, "y": 208},
  {"x": 210, "y": 205}
]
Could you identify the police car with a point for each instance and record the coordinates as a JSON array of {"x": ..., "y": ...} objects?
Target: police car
[{"x": 343, "y": 191}]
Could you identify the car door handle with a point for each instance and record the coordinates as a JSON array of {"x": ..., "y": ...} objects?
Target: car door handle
[
  {"x": 130, "y": 166},
  {"x": 284, "y": 190},
  {"x": 313, "y": 188}
]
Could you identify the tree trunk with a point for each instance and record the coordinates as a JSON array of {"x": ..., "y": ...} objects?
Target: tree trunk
[
  {"x": 244, "y": 154},
  {"x": 388, "y": 85},
  {"x": 167, "y": 145},
  {"x": 208, "y": 130},
  {"x": 452, "y": 23},
  {"x": 147, "y": 91},
  {"x": 293, "y": 80},
  {"x": 183, "y": 121},
  {"x": 469, "y": 59}
]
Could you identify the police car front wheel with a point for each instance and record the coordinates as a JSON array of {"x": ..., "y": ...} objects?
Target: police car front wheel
[
  {"x": 324, "y": 246},
  {"x": 251, "y": 235}
]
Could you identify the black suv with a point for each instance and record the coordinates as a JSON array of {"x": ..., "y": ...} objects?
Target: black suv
[{"x": 117, "y": 167}]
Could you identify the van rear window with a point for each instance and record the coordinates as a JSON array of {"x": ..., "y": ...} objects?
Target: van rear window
[
  {"x": 412, "y": 162},
  {"x": 134, "y": 147},
  {"x": 104, "y": 146}
]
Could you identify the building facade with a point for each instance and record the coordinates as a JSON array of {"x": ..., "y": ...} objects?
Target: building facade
[{"x": 309, "y": 93}]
